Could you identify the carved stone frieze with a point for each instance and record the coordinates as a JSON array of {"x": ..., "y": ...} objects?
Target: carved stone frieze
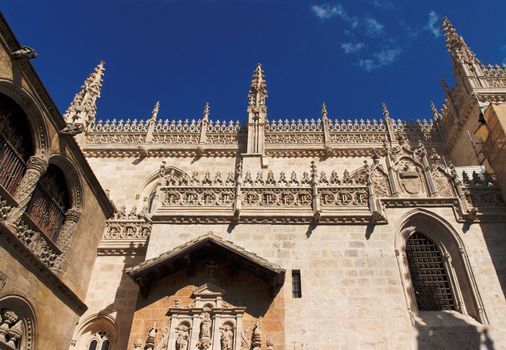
[{"x": 39, "y": 246}]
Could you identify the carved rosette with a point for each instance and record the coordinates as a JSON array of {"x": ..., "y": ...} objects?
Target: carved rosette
[{"x": 35, "y": 168}]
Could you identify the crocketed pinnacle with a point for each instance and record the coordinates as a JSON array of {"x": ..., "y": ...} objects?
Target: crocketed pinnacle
[
  {"x": 258, "y": 90},
  {"x": 205, "y": 115},
  {"x": 83, "y": 108},
  {"x": 154, "y": 114},
  {"x": 455, "y": 42},
  {"x": 324, "y": 111},
  {"x": 386, "y": 113},
  {"x": 435, "y": 112}
]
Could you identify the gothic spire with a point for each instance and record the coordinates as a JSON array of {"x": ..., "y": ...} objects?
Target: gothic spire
[
  {"x": 154, "y": 114},
  {"x": 258, "y": 90},
  {"x": 83, "y": 108},
  {"x": 455, "y": 43}
]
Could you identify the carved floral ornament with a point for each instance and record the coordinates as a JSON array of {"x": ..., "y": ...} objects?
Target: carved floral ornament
[{"x": 409, "y": 173}]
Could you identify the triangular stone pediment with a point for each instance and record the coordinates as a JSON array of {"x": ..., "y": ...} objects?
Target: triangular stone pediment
[{"x": 208, "y": 290}]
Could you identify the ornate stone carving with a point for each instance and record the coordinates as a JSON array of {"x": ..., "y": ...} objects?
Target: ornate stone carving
[
  {"x": 25, "y": 52},
  {"x": 34, "y": 169},
  {"x": 11, "y": 329},
  {"x": 38, "y": 244},
  {"x": 409, "y": 176},
  {"x": 256, "y": 340},
  {"x": 205, "y": 331},
  {"x": 227, "y": 337},
  {"x": 183, "y": 337},
  {"x": 68, "y": 228},
  {"x": 3, "y": 280},
  {"x": 5, "y": 209}
]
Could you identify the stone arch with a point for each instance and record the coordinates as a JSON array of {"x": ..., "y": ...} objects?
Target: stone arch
[
  {"x": 18, "y": 322},
  {"x": 34, "y": 113},
  {"x": 91, "y": 327},
  {"x": 456, "y": 261},
  {"x": 72, "y": 178},
  {"x": 147, "y": 190}
]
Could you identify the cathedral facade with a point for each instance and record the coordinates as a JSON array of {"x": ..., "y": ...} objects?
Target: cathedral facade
[{"x": 270, "y": 234}]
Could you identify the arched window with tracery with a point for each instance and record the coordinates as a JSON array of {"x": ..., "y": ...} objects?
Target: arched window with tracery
[
  {"x": 99, "y": 341},
  {"x": 97, "y": 333},
  {"x": 16, "y": 144},
  {"x": 49, "y": 202},
  {"x": 431, "y": 283}
]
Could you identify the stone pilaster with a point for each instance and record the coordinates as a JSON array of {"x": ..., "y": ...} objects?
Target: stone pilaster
[{"x": 35, "y": 168}]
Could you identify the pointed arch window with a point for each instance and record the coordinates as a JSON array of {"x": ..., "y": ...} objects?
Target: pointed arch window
[{"x": 431, "y": 283}]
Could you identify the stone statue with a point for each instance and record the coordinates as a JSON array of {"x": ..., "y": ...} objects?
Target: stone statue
[
  {"x": 182, "y": 338},
  {"x": 205, "y": 332},
  {"x": 227, "y": 337}
]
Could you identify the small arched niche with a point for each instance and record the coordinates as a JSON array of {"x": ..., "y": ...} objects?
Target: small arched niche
[
  {"x": 435, "y": 268},
  {"x": 17, "y": 323}
]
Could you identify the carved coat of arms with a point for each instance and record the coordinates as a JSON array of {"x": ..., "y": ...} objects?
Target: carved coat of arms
[{"x": 410, "y": 179}]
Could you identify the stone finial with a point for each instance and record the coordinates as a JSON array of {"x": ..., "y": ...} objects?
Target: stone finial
[
  {"x": 258, "y": 89},
  {"x": 83, "y": 108},
  {"x": 324, "y": 111},
  {"x": 386, "y": 112},
  {"x": 434, "y": 110},
  {"x": 154, "y": 114},
  {"x": 205, "y": 115},
  {"x": 256, "y": 341}
]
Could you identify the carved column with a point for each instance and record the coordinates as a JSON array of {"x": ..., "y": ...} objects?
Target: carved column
[
  {"x": 35, "y": 168},
  {"x": 68, "y": 229}
]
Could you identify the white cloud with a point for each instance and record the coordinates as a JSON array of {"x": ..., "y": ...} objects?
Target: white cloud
[
  {"x": 432, "y": 24},
  {"x": 380, "y": 58},
  {"x": 352, "y": 47},
  {"x": 326, "y": 11},
  {"x": 373, "y": 27},
  {"x": 383, "y": 4}
]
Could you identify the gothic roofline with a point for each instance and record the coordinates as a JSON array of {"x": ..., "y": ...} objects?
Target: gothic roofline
[
  {"x": 54, "y": 115},
  {"x": 185, "y": 255}
]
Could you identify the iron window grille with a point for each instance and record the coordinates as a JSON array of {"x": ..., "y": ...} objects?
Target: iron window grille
[{"x": 430, "y": 279}]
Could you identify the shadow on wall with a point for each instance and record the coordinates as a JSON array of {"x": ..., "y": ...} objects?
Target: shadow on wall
[
  {"x": 450, "y": 330},
  {"x": 493, "y": 234},
  {"x": 125, "y": 301}
]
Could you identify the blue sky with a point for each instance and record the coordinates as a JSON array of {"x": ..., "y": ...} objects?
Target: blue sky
[{"x": 351, "y": 54}]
